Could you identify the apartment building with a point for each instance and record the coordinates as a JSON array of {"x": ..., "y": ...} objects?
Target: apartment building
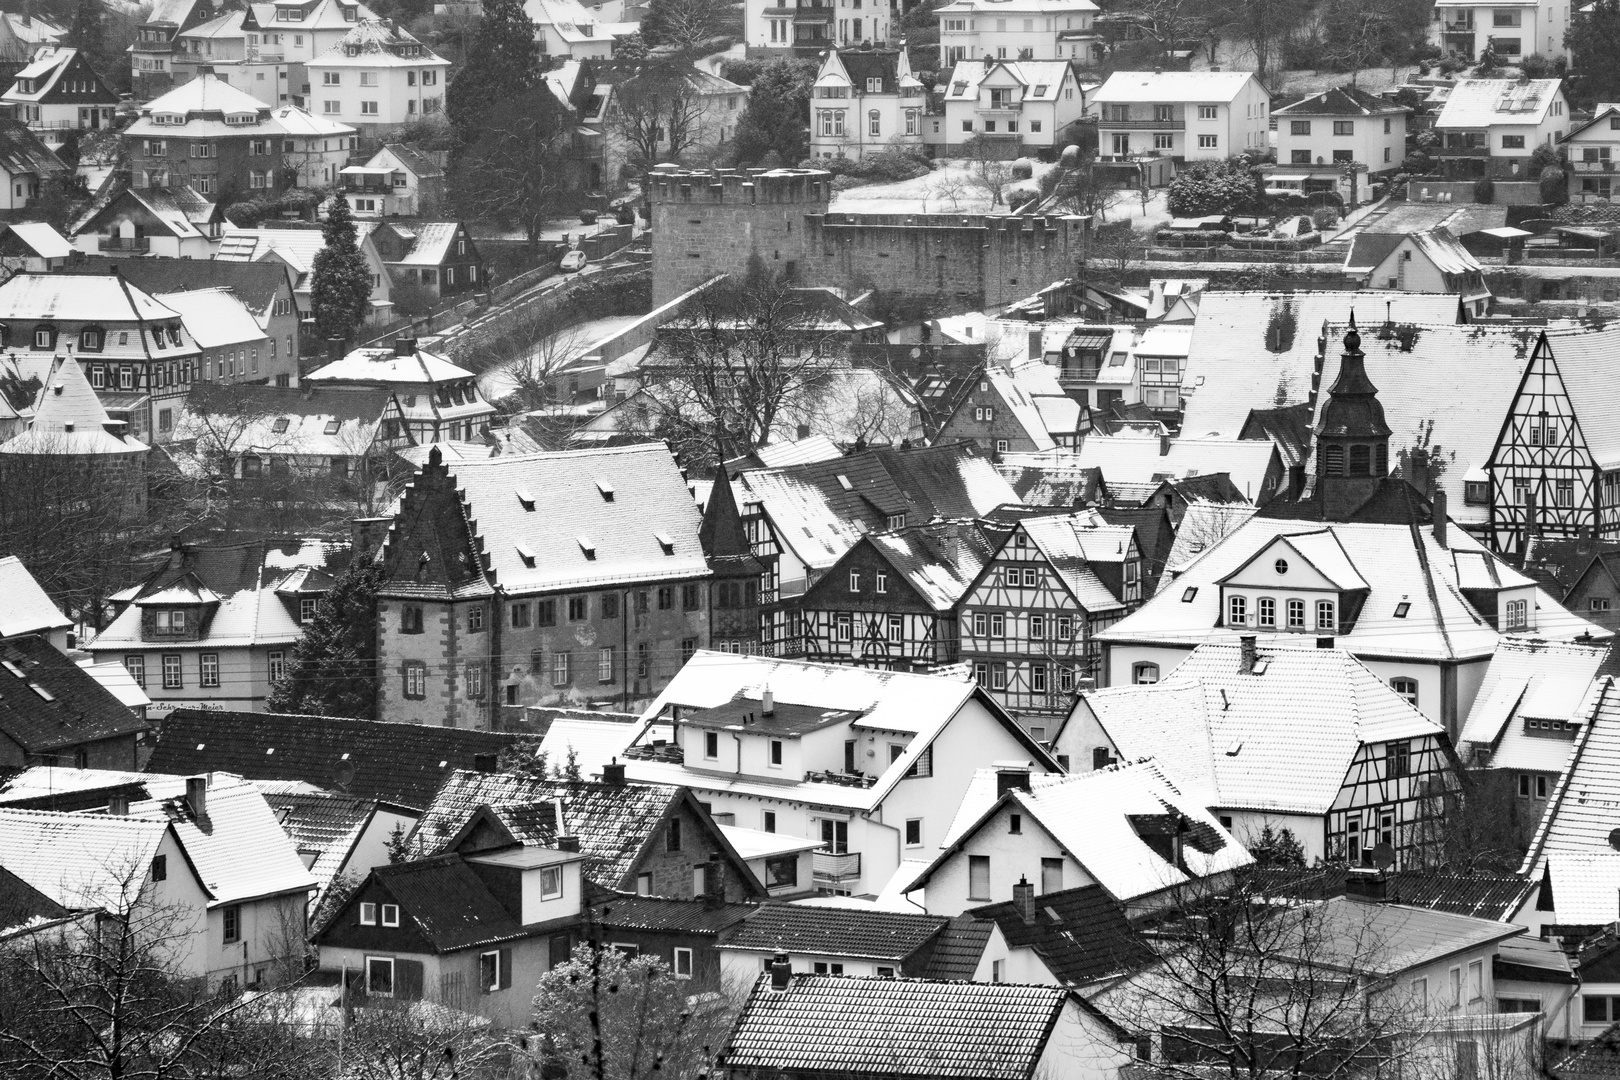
[
  {"x": 1018, "y": 30},
  {"x": 865, "y": 101},
  {"x": 1023, "y": 106},
  {"x": 377, "y": 78},
  {"x": 1322, "y": 138},
  {"x": 1490, "y": 127},
  {"x": 1187, "y": 115}
]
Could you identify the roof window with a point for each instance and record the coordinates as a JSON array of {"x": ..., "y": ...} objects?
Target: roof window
[
  {"x": 280, "y": 426},
  {"x": 587, "y": 545},
  {"x": 843, "y": 482},
  {"x": 13, "y": 668},
  {"x": 526, "y": 499},
  {"x": 44, "y": 694},
  {"x": 1402, "y": 608},
  {"x": 606, "y": 489},
  {"x": 1188, "y": 595},
  {"x": 526, "y": 554},
  {"x": 332, "y": 426},
  {"x": 666, "y": 542}
]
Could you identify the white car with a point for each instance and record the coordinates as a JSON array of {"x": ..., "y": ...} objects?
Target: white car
[{"x": 573, "y": 261}]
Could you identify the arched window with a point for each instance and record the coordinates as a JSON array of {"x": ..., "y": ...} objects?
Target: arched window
[
  {"x": 1144, "y": 673},
  {"x": 1296, "y": 614},
  {"x": 1407, "y": 688},
  {"x": 1333, "y": 456},
  {"x": 1237, "y": 610},
  {"x": 1360, "y": 461},
  {"x": 1266, "y": 610},
  {"x": 1324, "y": 616}
]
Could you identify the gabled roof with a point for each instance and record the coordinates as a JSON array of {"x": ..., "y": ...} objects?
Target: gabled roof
[
  {"x": 1477, "y": 103},
  {"x": 27, "y": 610},
  {"x": 940, "y": 560},
  {"x": 1402, "y": 565},
  {"x": 895, "y": 1028},
  {"x": 300, "y": 421},
  {"x": 1071, "y": 543},
  {"x": 238, "y": 850},
  {"x": 1137, "y": 459},
  {"x": 1172, "y": 86},
  {"x": 22, "y": 153},
  {"x": 80, "y": 861},
  {"x": 47, "y": 67},
  {"x": 863, "y": 65},
  {"x": 1280, "y": 739},
  {"x": 418, "y": 164},
  {"x": 1041, "y": 79},
  {"x": 874, "y": 935},
  {"x": 378, "y": 43},
  {"x": 448, "y": 902},
  {"x": 215, "y": 317},
  {"x": 387, "y": 366},
  {"x": 1341, "y": 101},
  {"x": 179, "y": 210},
  {"x": 71, "y": 420},
  {"x": 814, "y": 507},
  {"x": 1081, "y": 935},
  {"x": 571, "y": 519},
  {"x": 256, "y": 284},
  {"x": 399, "y": 763},
  {"x": 1602, "y": 112},
  {"x": 47, "y": 702},
  {"x": 427, "y": 243},
  {"x": 1369, "y": 249},
  {"x": 78, "y": 298},
  {"x": 1089, "y": 816},
  {"x": 1530, "y": 679},
  {"x": 614, "y": 823}
]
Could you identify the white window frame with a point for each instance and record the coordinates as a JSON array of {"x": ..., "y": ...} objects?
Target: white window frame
[
  {"x": 390, "y": 914},
  {"x": 551, "y": 882},
  {"x": 682, "y": 966},
  {"x": 393, "y": 976},
  {"x": 490, "y": 988},
  {"x": 368, "y": 914}
]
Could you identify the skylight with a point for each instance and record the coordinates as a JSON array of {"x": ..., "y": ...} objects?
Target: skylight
[
  {"x": 665, "y": 541},
  {"x": 13, "y": 668},
  {"x": 332, "y": 426},
  {"x": 606, "y": 489},
  {"x": 280, "y": 426},
  {"x": 45, "y": 695},
  {"x": 526, "y": 498},
  {"x": 526, "y": 554},
  {"x": 843, "y": 482},
  {"x": 1401, "y": 609},
  {"x": 1190, "y": 592},
  {"x": 587, "y": 545}
]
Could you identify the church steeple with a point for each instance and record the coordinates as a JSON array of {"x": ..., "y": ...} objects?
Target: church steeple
[{"x": 1352, "y": 439}]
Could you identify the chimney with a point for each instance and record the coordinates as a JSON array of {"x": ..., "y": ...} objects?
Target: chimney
[
  {"x": 1011, "y": 779},
  {"x": 1296, "y": 481},
  {"x": 1418, "y": 471},
  {"x": 197, "y": 796},
  {"x": 714, "y": 883},
  {"x": 1164, "y": 443},
  {"x": 1440, "y": 518},
  {"x": 767, "y": 703},
  {"x": 118, "y": 805},
  {"x": 613, "y": 773},
  {"x": 405, "y": 346},
  {"x": 1024, "y": 900},
  {"x": 781, "y": 971},
  {"x": 1366, "y": 884},
  {"x": 1035, "y": 350},
  {"x": 568, "y": 843},
  {"x": 1246, "y": 654}
]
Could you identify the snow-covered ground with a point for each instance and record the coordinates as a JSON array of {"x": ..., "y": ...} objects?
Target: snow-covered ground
[
  {"x": 950, "y": 189},
  {"x": 576, "y": 341}
]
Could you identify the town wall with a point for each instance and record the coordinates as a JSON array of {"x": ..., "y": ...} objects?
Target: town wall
[{"x": 712, "y": 223}]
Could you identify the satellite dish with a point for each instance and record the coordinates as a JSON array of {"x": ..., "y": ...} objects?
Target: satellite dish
[
  {"x": 1614, "y": 839},
  {"x": 343, "y": 774},
  {"x": 1383, "y": 855}
]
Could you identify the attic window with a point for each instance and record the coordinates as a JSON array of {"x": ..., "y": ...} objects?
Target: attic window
[
  {"x": 666, "y": 542},
  {"x": 587, "y": 545},
  {"x": 270, "y": 752},
  {"x": 526, "y": 554},
  {"x": 843, "y": 482},
  {"x": 44, "y": 694},
  {"x": 1040, "y": 89},
  {"x": 14, "y": 669},
  {"x": 1234, "y": 747},
  {"x": 959, "y": 88},
  {"x": 1401, "y": 609},
  {"x": 280, "y": 426},
  {"x": 526, "y": 498},
  {"x": 332, "y": 426},
  {"x": 200, "y": 746},
  {"x": 606, "y": 489},
  {"x": 1188, "y": 594}
]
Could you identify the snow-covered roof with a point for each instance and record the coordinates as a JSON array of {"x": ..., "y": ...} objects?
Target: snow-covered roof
[
  {"x": 78, "y": 298},
  {"x": 1405, "y": 568},
  {"x": 1041, "y": 79},
  {"x": 27, "y": 610},
  {"x": 1279, "y": 738},
  {"x": 1137, "y": 459},
  {"x": 1530, "y": 679},
  {"x": 378, "y": 43},
  {"x": 1071, "y": 543},
  {"x": 1477, "y": 103},
  {"x": 45, "y": 240},
  {"x": 215, "y": 317},
  {"x": 1089, "y": 814},
  {"x": 1572, "y": 840},
  {"x": 1172, "y": 86},
  {"x": 386, "y": 366},
  {"x": 1023, "y": 7},
  {"x": 80, "y": 861},
  {"x": 192, "y": 101},
  {"x": 295, "y": 121},
  {"x": 594, "y": 743},
  {"x": 70, "y": 420}
]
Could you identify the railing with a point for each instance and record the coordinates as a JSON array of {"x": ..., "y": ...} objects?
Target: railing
[
  {"x": 1462, "y": 151},
  {"x": 998, "y": 110},
  {"x": 125, "y": 243},
  {"x": 1603, "y": 165},
  {"x": 836, "y": 867},
  {"x": 1456, "y": 28},
  {"x": 1141, "y": 125},
  {"x": 1079, "y": 374}
]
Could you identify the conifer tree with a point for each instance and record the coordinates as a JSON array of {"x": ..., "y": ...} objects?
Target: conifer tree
[
  {"x": 333, "y": 671},
  {"x": 340, "y": 281},
  {"x": 502, "y": 65}
]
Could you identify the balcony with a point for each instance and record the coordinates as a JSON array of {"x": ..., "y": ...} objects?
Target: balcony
[
  {"x": 1602, "y": 165},
  {"x": 835, "y": 869},
  {"x": 1464, "y": 27},
  {"x": 1141, "y": 125},
  {"x": 136, "y": 244},
  {"x": 1463, "y": 151}
]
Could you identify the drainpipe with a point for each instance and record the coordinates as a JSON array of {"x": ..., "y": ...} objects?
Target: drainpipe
[{"x": 496, "y": 630}]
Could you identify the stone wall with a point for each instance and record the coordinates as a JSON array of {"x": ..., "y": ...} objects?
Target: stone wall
[{"x": 712, "y": 223}]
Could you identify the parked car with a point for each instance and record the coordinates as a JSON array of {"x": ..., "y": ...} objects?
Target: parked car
[{"x": 573, "y": 261}]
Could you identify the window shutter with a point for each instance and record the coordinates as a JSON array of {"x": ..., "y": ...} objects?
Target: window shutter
[
  {"x": 408, "y": 979},
  {"x": 506, "y": 969}
]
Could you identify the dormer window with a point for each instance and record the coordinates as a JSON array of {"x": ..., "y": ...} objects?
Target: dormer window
[
  {"x": 44, "y": 337},
  {"x": 90, "y": 339},
  {"x": 348, "y": 14},
  {"x": 167, "y": 621}
]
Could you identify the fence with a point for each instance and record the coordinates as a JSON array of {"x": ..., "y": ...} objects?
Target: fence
[{"x": 1504, "y": 192}]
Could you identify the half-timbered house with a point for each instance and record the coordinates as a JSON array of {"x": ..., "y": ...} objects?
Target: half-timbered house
[
  {"x": 801, "y": 519},
  {"x": 1029, "y": 622},
  {"x": 891, "y": 601},
  {"x": 1304, "y": 739}
]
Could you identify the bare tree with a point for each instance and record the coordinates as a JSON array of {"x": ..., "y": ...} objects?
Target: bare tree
[
  {"x": 739, "y": 355},
  {"x": 521, "y": 170},
  {"x": 608, "y": 1016},
  {"x": 950, "y": 186},
  {"x": 987, "y": 169},
  {"x": 659, "y": 114}
]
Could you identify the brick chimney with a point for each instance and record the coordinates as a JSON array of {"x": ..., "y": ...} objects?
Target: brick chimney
[
  {"x": 405, "y": 346},
  {"x": 1024, "y": 900},
  {"x": 781, "y": 971},
  {"x": 568, "y": 843},
  {"x": 1246, "y": 650},
  {"x": 714, "y": 883},
  {"x": 613, "y": 773},
  {"x": 197, "y": 796}
]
